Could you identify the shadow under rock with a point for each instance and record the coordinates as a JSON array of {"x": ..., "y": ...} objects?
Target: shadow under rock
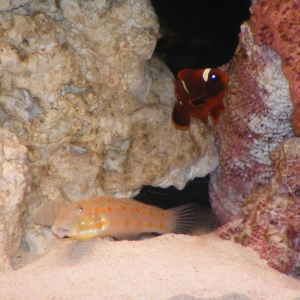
[{"x": 231, "y": 296}]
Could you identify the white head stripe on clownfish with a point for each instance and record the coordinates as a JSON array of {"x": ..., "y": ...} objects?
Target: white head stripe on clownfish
[
  {"x": 184, "y": 86},
  {"x": 205, "y": 74}
]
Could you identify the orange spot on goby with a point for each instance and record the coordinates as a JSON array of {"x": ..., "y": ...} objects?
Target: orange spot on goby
[
  {"x": 123, "y": 207},
  {"x": 96, "y": 209},
  {"x": 109, "y": 208},
  {"x": 98, "y": 225},
  {"x": 103, "y": 210},
  {"x": 137, "y": 209},
  {"x": 151, "y": 213}
]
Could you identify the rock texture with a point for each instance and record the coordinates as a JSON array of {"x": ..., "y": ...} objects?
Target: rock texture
[
  {"x": 257, "y": 187},
  {"x": 269, "y": 221},
  {"x": 13, "y": 170},
  {"x": 256, "y": 120},
  {"x": 9, "y": 4},
  {"x": 76, "y": 88},
  {"x": 277, "y": 24},
  {"x": 162, "y": 83}
]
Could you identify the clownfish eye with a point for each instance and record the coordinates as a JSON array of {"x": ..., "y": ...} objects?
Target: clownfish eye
[{"x": 213, "y": 77}]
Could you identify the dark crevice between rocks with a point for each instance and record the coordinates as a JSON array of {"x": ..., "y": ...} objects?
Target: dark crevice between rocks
[
  {"x": 195, "y": 34},
  {"x": 199, "y": 33},
  {"x": 195, "y": 191}
]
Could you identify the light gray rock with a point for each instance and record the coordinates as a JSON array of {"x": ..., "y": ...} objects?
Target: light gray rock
[
  {"x": 13, "y": 169},
  {"x": 162, "y": 87},
  {"x": 77, "y": 89},
  {"x": 10, "y": 4}
]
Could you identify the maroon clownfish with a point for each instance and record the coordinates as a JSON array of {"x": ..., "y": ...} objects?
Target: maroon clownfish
[{"x": 199, "y": 93}]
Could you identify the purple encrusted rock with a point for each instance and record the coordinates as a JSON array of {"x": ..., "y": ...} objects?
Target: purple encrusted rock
[
  {"x": 255, "y": 122},
  {"x": 269, "y": 221}
]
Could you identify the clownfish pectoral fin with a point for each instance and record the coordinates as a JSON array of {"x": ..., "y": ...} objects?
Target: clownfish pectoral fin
[
  {"x": 201, "y": 113},
  {"x": 203, "y": 117},
  {"x": 181, "y": 117},
  {"x": 216, "y": 112},
  {"x": 214, "y": 115}
]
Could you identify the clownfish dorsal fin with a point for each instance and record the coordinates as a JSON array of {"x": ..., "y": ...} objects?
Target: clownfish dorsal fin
[
  {"x": 205, "y": 74},
  {"x": 184, "y": 86}
]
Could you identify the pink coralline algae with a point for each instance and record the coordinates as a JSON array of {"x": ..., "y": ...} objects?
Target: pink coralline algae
[
  {"x": 256, "y": 188},
  {"x": 256, "y": 120},
  {"x": 276, "y": 24},
  {"x": 269, "y": 220}
]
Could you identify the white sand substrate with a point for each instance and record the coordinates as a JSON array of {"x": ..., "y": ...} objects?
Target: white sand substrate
[{"x": 164, "y": 267}]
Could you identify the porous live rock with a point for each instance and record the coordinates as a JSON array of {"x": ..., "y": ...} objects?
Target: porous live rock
[
  {"x": 256, "y": 120},
  {"x": 9, "y": 4},
  {"x": 162, "y": 85},
  {"x": 76, "y": 89},
  {"x": 269, "y": 220},
  {"x": 160, "y": 161},
  {"x": 13, "y": 170},
  {"x": 276, "y": 24}
]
